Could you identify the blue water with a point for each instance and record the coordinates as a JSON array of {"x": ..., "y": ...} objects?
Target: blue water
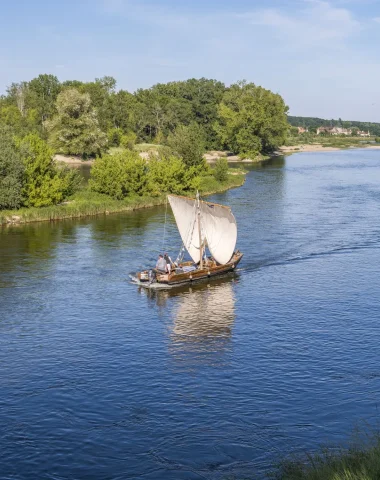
[{"x": 100, "y": 380}]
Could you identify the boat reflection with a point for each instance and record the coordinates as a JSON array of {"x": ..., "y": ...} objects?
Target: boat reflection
[{"x": 201, "y": 321}]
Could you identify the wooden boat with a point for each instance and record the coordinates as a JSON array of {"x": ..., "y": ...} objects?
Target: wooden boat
[{"x": 203, "y": 226}]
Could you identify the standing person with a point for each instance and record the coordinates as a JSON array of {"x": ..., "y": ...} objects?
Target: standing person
[
  {"x": 161, "y": 264},
  {"x": 169, "y": 262}
]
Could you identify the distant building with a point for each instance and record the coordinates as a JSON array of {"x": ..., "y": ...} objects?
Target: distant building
[
  {"x": 362, "y": 133},
  {"x": 302, "y": 129},
  {"x": 334, "y": 130}
]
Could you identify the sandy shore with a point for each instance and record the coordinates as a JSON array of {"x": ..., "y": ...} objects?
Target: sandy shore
[
  {"x": 72, "y": 160},
  {"x": 317, "y": 147}
]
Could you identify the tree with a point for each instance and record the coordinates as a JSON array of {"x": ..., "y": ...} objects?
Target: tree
[
  {"x": 221, "y": 169},
  {"x": 43, "y": 94},
  {"x": 188, "y": 143},
  {"x": 251, "y": 119},
  {"x": 75, "y": 129},
  {"x": 45, "y": 184},
  {"x": 119, "y": 175},
  {"x": 11, "y": 172},
  {"x": 169, "y": 174}
]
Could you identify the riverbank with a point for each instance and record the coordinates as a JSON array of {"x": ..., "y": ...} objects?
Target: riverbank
[
  {"x": 86, "y": 203},
  {"x": 320, "y": 148},
  {"x": 361, "y": 463},
  {"x": 210, "y": 157}
]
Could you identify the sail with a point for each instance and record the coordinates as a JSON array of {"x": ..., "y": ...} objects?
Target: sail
[
  {"x": 185, "y": 213},
  {"x": 218, "y": 227},
  {"x": 220, "y": 230}
]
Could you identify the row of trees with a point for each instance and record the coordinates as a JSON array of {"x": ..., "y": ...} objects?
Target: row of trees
[
  {"x": 312, "y": 123},
  {"x": 87, "y": 118}
]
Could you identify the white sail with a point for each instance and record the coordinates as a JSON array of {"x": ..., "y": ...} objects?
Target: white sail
[
  {"x": 220, "y": 230},
  {"x": 185, "y": 213}
]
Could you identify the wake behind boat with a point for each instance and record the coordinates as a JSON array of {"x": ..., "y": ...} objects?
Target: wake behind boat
[{"x": 203, "y": 226}]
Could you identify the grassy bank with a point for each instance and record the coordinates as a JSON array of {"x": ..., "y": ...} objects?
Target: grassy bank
[
  {"x": 353, "y": 464},
  {"x": 86, "y": 203}
]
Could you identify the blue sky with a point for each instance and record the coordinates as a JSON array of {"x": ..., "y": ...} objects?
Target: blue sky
[{"x": 323, "y": 57}]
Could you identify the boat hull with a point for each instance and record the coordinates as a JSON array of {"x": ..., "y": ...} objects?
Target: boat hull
[{"x": 176, "y": 279}]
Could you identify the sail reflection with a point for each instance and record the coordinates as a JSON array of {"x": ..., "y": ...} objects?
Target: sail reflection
[{"x": 202, "y": 322}]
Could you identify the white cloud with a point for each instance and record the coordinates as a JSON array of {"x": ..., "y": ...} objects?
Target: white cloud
[{"x": 316, "y": 22}]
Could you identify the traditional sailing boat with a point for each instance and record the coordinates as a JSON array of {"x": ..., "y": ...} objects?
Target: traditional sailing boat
[{"x": 202, "y": 225}]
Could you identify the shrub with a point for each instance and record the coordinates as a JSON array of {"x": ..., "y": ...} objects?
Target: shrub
[
  {"x": 128, "y": 140},
  {"x": 114, "y": 136},
  {"x": 377, "y": 139},
  {"x": 119, "y": 175},
  {"x": 11, "y": 172},
  {"x": 45, "y": 183},
  {"x": 221, "y": 170},
  {"x": 169, "y": 174}
]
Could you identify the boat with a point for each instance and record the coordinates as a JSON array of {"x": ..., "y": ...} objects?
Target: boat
[{"x": 209, "y": 233}]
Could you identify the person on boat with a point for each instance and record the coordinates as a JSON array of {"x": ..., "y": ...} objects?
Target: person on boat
[
  {"x": 161, "y": 264},
  {"x": 169, "y": 262}
]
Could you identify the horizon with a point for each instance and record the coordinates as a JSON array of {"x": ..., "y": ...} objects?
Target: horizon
[{"x": 320, "y": 56}]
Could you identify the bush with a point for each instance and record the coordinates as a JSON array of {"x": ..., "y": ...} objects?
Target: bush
[
  {"x": 11, "y": 172},
  {"x": 377, "y": 139},
  {"x": 45, "y": 183},
  {"x": 169, "y": 174},
  {"x": 114, "y": 136},
  {"x": 119, "y": 175},
  {"x": 221, "y": 170},
  {"x": 128, "y": 140}
]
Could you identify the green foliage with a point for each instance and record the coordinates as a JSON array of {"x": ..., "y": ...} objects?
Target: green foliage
[
  {"x": 45, "y": 184},
  {"x": 119, "y": 175},
  {"x": 353, "y": 464},
  {"x": 294, "y": 131},
  {"x": 114, "y": 137},
  {"x": 188, "y": 143},
  {"x": 251, "y": 120},
  {"x": 221, "y": 169},
  {"x": 11, "y": 172},
  {"x": 377, "y": 139},
  {"x": 314, "y": 123},
  {"x": 43, "y": 92},
  {"x": 75, "y": 130},
  {"x": 128, "y": 140},
  {"x": 169, "y": 174}
]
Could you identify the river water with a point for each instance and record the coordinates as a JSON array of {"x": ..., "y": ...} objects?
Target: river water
[{"x": 100, "y": 380}]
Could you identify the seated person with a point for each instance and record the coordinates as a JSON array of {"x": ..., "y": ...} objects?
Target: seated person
[
  {"x": 161, "y": 264},
  {"x": 169, "y": 262}
]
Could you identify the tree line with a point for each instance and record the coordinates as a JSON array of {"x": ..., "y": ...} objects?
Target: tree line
[
  {"x": 243, "y": 117},
  {"x": 45, "y": 116},
  {"x": 312, "y": 123}
]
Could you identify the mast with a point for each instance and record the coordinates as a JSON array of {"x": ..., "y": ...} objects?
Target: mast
[{"x": 199, "y": 232}]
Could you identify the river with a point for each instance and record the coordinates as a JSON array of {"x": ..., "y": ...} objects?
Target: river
[{"x": 100, "y": 380}]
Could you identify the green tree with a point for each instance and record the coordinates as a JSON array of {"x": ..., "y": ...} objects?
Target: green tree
[
  {"x": 128, "y": 140},
  {"x": 75, "y": 129},
  {"x": 169, "y": 174},
  {"x": 44, "y": 90},
  {"x": 188, "y": 143},
  {"x": 251, "y": 119},
  {"x": 11, "y": 172},
  {"x": 221, "y": 169},
  {"x": 119, "y": 175},
  {"x": 45, "y": 184}
]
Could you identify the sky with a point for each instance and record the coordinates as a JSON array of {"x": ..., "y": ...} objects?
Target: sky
[{"x": 323, "y": 57}]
